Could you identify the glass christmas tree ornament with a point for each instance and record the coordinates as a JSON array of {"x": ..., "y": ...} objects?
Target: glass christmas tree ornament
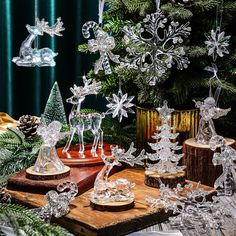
[
  {"x": 80, "y": 122},
  {"x": 29, "y": 56},
  {"x": 208, "y": 112},
  {"x": 226, "y": 157},
  {"x": 155, "y": 45},
  {"x": 108, "y": 193},
  {"x": 58, "y": 203},
  {"x": 164, "y": 161}
]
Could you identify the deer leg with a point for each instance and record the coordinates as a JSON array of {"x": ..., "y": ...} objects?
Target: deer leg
[
  {"x": 95, "y": 142},
  {"x": 81, "y": 141},
  {"x": 72, "y": 133},
  {"x": 100, "y": 144}
]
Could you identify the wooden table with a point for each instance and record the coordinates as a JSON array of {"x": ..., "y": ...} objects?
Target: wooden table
[
  {"x": 82, "y": 220},
  {"x": 198, "y": 160}
]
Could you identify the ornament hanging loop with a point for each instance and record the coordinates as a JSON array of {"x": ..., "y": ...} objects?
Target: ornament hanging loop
[
  {"x": 158, "y": 3},
  {"x": 101, "y": 4}
]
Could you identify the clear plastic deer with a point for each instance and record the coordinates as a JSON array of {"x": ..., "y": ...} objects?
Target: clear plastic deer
[
  {"x": 31, "y": 57},
  {"x": 82, "y": 122}
]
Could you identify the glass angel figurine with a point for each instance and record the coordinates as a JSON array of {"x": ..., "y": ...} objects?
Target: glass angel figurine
[
  {"x": 208, "y": 112},
  {"x": 48, "y": 160}
]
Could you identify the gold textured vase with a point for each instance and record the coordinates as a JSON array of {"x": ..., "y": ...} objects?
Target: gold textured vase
[{"x": 185, "y": 121}]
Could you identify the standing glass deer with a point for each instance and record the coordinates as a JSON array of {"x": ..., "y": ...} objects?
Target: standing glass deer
[
  {"x": 31, "y": 57},
  {"x": 82, "y": 122}
]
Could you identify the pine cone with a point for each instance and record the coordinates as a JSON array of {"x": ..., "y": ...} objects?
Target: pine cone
[{"x": 28, "y": 125}]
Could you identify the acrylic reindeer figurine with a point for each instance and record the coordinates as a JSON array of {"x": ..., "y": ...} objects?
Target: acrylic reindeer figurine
[
  {"x": 82, "y": 122},
  {"x": 31, "y": 57},
  {"x": 106, "y": 190}
]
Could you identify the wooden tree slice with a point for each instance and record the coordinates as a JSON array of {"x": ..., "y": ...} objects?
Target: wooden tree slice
[
  {"x": 112, "y": 206},
  {"x": 152, "y": 179},
  {"x": 31, "y": 174}
]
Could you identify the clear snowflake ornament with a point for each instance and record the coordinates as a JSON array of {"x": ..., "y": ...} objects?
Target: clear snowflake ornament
[
  {"x": 120, "y": 105},
  {"x": 217, "y": 43},
  {"x": 154, "y": 47}
]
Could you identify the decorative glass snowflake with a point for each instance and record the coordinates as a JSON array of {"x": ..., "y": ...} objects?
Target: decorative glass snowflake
[
  {"x": 154, "y": 48},
  {"x": 119, "y": 105},
  {"x": 217, "y": 43},
  {"x": 103, "y": 43}
]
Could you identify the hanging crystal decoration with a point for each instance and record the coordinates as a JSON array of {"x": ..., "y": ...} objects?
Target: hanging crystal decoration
[
  {"x": 80, "y": 122},
  {"x": 160, "y": 50},
  {"x": 226, "y": 157},
  {"x": 164, "y": 148},
  {"x": 208, "y": 112},
  {"x": 30, "y": 56},
  {"x": 103, "y": 43},
  {"x": 58, "y": 204},
  {"x": 119, "y": 105},
  {"x": 48, "y": 160},
  {"x": 192, "y": 208},
  {"x": 105, "y": 190}
]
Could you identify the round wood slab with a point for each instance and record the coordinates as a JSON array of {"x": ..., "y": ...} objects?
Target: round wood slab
[
  {"x": 112, "y": 206},
  {"x": 152, "y": 179},
  {"x": 31, "y": 174},
  {"x": 74, "y": 158}
]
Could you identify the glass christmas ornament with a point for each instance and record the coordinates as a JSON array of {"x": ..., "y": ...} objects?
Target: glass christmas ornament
[
  {"x": 29, "y": 56},
  {"x": 208, "y": 112},
  {"x": 80, "y": 122},
  {"x": 165, "y": 156},
  {"x": 154, "y": 46},
  {"x": 226, "y": 157},
  {"x": 58, "y": 203},
  {"x": 103, "y": 43},
  {"x": 48, "y": 160},
  {"x": 105, "y": 190}
]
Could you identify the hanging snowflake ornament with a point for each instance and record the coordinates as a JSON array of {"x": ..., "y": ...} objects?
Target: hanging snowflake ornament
[
  {"x": 154, "y": 47},
  {"x": 120, "y": 105},
  {"x": 217, "y": 43}
]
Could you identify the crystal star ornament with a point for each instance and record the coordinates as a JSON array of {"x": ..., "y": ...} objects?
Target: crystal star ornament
[
  {"x": 165, "y": 111},
  {"x": 103, "y": 43},
  {"x": 119, "y": 105},
  {"x": 154, "y": 46},
  {"x": 217, "y": 43}
]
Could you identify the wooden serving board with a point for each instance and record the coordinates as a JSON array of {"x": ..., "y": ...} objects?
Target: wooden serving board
[{"x": 83, "y": 220}]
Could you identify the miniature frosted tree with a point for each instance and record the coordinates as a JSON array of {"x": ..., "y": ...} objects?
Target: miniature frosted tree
[
  {"x": 165, "y": 156},
  {"x": 54, "y": 109}
]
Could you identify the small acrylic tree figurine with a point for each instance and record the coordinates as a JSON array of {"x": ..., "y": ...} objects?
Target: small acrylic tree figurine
[
  {"x": 226, "y": 158},
  {"x": 164, "y": 160},
  {"x": 208, "y": 112},
  {"x": 106, "y": 192},
  {"x": 48, "y": 161}
]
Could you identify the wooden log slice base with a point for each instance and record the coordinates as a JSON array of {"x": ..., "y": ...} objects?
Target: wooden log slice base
[
  {"x": 75, "y": 159},
  {"x": 112, "y": 206},
  {"x": 152, "y": 179},
  {"x": 31, "y": 174}
]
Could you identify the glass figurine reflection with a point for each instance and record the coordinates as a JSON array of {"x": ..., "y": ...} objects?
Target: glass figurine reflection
[
  {"x": 30, "y": 56},
  {"x": 48, "y": 160}
]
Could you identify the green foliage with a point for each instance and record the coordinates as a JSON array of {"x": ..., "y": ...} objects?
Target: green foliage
[
  {"x": 21, "y": 219},
  {"x": 54, "y": 109},
  {"x": 17, "y": 153}
]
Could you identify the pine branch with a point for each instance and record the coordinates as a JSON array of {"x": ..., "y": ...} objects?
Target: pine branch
[
  {"x": 205, "y": 5},
  {"x": 195, "y": 51}
]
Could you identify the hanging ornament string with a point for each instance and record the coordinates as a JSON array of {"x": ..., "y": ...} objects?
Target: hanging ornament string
[
  {"x": 219, "y": 14},
  {"x": 158, "y": 2},
  {"x": 101, "y": 4},
  {"x": 36, "y": 41}
]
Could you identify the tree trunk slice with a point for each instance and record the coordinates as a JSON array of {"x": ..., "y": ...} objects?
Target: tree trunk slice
[
  {"x": 31, "y": 174},
  {"x": 198, "y": 161},
  {"x": 152, "y": 179},
  {"x": 112, "y": 206}
]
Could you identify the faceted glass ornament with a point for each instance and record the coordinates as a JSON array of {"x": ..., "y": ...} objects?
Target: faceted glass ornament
[
  {"x": 29, "y": 56},
  {"x": 48, "y": 160}
]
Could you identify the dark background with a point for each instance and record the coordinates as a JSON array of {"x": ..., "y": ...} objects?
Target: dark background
[{"x": 24, "y": 90}]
